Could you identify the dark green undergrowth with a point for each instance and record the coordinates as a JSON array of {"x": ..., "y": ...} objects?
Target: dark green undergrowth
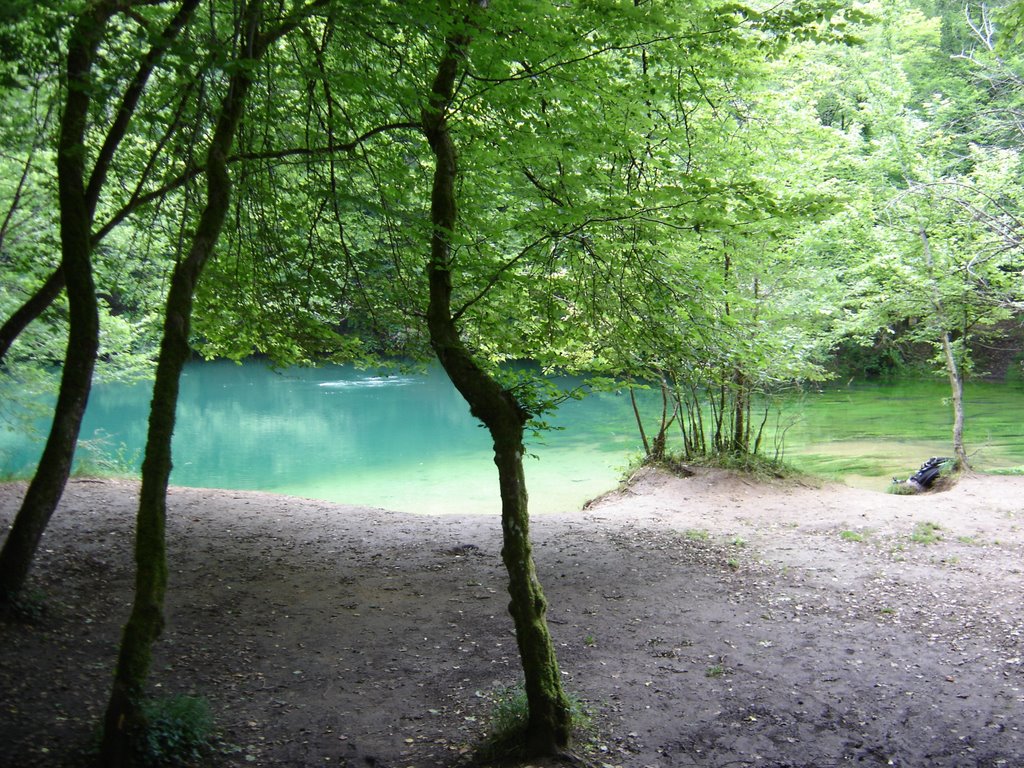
[
  {"x": 28, "y": 607},
  {"x": 179, "y": 732}
]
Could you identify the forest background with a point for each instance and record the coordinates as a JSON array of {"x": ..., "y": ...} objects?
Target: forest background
[{"x": 722, "y": 199}]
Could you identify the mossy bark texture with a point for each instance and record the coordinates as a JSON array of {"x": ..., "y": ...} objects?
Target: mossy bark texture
[
  {"x": 124, "y": 720},
  {"x": 549, "y": 725},
  {"x": 51, "y": 476},
  {"x": 78, "y": 201}
]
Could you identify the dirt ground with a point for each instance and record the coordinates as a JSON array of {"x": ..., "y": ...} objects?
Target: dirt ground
[{"x": 704, "y": 621}]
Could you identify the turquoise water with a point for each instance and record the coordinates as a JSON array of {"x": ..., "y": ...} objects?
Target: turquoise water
[{"x": 407, "y": 442}]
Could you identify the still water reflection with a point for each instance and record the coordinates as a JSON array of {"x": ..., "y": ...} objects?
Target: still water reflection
[{"x": 407, "y": 441}]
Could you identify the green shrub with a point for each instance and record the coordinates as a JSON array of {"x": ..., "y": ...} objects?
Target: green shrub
[{"x": 178, "y": 731}]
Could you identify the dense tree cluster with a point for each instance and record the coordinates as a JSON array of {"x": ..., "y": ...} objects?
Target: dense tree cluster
[{"x": 710, "y": 196}]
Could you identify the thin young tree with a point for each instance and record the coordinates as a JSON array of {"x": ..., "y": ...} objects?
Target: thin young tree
[
  {"x": 124, "y": 722},
  {"x": 549, "y": 726}
]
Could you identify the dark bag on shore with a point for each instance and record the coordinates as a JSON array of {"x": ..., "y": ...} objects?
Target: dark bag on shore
[{"x": 931, "y": 469}]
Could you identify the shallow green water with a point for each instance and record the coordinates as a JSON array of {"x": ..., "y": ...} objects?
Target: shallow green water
[
  {"x": 407, "y": 442},
  {"x": 866, "y": 432}
]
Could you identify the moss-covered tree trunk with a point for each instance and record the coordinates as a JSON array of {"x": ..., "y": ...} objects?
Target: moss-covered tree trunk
[
  {"x": 549, "y": 726},
  {"x": 124, "y": 721},
  {"x": 78, "y": 201},
  {"x": 51, "y": 476}
]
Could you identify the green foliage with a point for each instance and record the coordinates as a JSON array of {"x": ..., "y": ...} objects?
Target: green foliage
[
  {"x": 178, "y": 731},
  {"x": 98, "y": 456},
  {"x": 716, "y": 671},
  {"x": 1011, "y": 21}
]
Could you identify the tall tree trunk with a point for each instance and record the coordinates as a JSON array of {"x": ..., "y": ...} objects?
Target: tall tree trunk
[
  {"x": 51, "y": 476},
  {"x": 124, "y": 721},
  {"x": 549, "y": 726}
]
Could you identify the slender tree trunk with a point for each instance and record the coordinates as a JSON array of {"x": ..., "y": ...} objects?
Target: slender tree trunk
[
  {"x": 956, "y": 386},
  {"x": 48, "y": 483},
  {"x": 124, "y": 720},
  {"x": 640, "y": 423},
  {"x": 953, "y": 370},
  {"x": 697, "y": 428},
  {"x": 719, "y": 414},
  {"x": 549, "y": 726},
  {"x": 740, "y": 443}
]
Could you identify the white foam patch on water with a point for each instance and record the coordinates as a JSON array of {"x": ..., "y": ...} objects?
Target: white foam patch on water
[{"x": 372, "y": 382}]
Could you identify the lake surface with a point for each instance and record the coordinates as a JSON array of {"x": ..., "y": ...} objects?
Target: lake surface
[{"x": 407, "y": 442}]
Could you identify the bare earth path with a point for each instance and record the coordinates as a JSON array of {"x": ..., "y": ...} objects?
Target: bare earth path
[{"x": 706, "y": 621}]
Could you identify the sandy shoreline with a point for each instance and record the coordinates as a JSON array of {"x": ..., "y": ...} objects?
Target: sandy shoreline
[{"x": 706, "y": 621}]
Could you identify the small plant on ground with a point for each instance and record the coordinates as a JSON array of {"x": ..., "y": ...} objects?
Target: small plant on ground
[
  {"x": 179, "y": 731},
  {"x": 29, "y": 606},
  {"x": 696, "y": 534},
  {"x": 504, "y": 741},
  {"x": 852, "y": 535},
  {"x": 716, "y": 670},
  {"x": 926, "y": 533},
  {"x": 99, "y": 457}
]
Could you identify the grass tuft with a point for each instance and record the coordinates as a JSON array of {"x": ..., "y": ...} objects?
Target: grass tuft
[
  {"x": 926, "y": 533},
  {"x": 505, "y": 740},
  {"x": 901, "y": 489}
]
